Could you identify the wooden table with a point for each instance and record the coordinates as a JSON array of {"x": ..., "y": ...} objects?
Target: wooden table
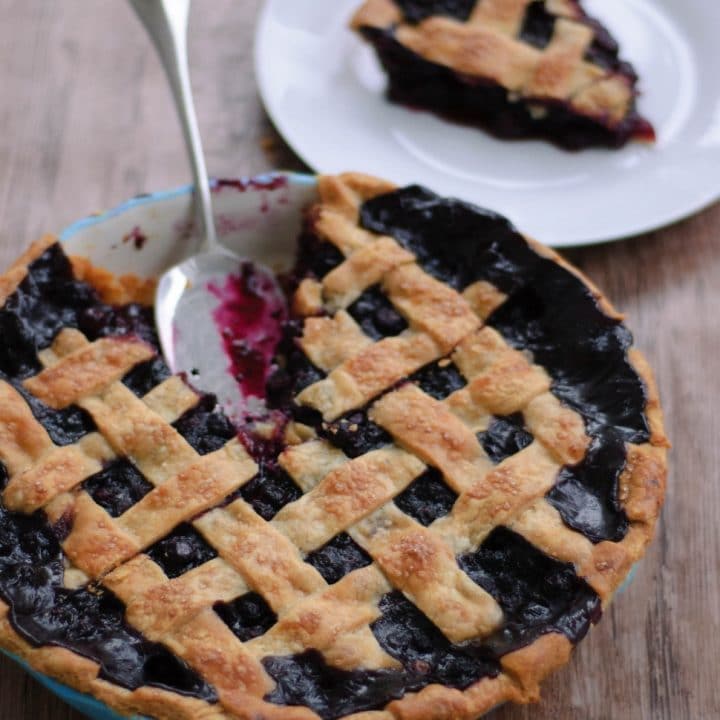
[{"x": 86, "y": 121}]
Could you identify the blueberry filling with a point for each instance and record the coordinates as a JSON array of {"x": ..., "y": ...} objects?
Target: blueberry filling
[
  {"x": 270, "y": 490},
  {"x": 47, "y": 300},
  {"x": 355, "y": 434},
  {"x": 550, "y": 312},
  {"x": 164, "y": 670},
  {"x": 89, "y": 623},
  {"x": 306, "y": 679},
  {"x": 504, "y": 437},
  {"x": 376, "y": 315},
  {"x": 583, "y": 350},
  {"x": 454, "y": 241},
  {"x": 144, "y": 377},
  {"x": 404, "y": 633},
  {"x": 418, "y": 10},
  {"x": 18, "y": 349},
  {"x": 316, "y": 257},
  {"x": 92, "y": 625},
  {"x": 427, "y": 498},
  {"x": 62, "y": 527},
  {"x": 426, "y": 654},
  {"x": 285, "y": 383},
  {"x": 337, "y": 558},
  {"x": 99, "y": 320},
  {"x": 26, "y": 541},
  {"x": 604, "y": 51},
  {"x": 586, "y": 495},
  {"x": 117, "y": 487},
  {"x": 31, "y": 568},
  {"x": 247, "y": 616},
  {"x": 538, "y": 25},
  {"x": 66, "y": 426},
  {"x": 205, "y": 427},
  {"x": 295, "y": 372},
  {"x": 537, "y": 594},
  {"x": 181, "y": 551},
  {"x": 439, "y": 379},
  {"x": 601, "y": 55}
]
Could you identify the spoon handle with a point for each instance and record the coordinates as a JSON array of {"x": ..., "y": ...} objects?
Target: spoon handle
[{"x": 166, "y": 22}]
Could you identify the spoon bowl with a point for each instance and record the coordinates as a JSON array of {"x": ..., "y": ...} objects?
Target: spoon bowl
[{"x": 205, "y": 332}]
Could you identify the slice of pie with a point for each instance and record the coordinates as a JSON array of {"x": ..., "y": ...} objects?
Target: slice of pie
[
  {"x": 462, "y": 460},
  {"x": 517, "y": 68}
]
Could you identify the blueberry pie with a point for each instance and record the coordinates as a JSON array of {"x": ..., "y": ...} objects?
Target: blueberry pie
[
  {"x": 517, "y": 68},
  {"x": 462, "y": 458}
]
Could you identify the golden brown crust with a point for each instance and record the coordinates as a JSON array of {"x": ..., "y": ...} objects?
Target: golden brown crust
[
  {"x": 488, "y": 46},
  {"x": 365, "y": 375},
  {"x": 422, "y": 564},
  {"x": 505, "y": 15},
  {"x": 499, "y": 495},
  {"x": 335, "y": 621},
  {"x": 115, "y": 289},
  {"x": 340, "y": 494},
  {"x": 346, "y": 495},
  {"x": 87, "y": 370},
  {"x": 16, "y": 273},
  {"x": 376, "y": 13},
  {"x": 260, "y": 553},
  {"x": 23, "y": 441},
  {"x": 363, "y": 268},
  {"x": 329, "y": 341},
  {"x": 429, "y": 430},
  {"x": 484, "y": 298},
  {"x": 430, "y": 306}
]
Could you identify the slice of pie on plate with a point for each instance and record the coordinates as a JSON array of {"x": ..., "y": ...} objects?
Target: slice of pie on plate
[{"x": 517, "y": 68}]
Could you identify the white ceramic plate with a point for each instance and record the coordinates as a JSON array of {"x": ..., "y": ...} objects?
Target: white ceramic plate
[{"x": 324, "y": 90}]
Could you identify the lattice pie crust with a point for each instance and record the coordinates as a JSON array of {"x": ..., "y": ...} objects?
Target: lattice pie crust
[{"x": 340, "y": 494}]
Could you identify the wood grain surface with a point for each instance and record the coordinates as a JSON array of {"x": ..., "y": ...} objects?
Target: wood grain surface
[{"x": 86, "y": 121}]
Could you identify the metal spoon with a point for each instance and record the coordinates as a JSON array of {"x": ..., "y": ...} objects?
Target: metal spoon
[{"x": 184, "y": 306}]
